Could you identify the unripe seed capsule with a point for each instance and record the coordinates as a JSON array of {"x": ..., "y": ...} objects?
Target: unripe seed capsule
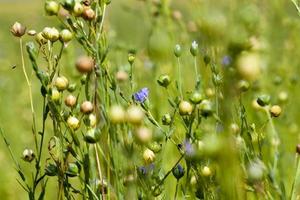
[
  {"x": 65, "y": 35},
  {"x": 143, "y": 135},
  {"x": 70, "y": 101},
  {"x": 86, "y": 107},
  {"x": 131, "y": 58},
  {"x": 148, "y": 156},
  {"x": 55, "y": 95},
  {"x": 51, "y": 8},
  {"x": 116, "y": 114},
  {"x": 206, "y": 171},
  {"x": 185, "y": 108},
  {"x": 73, "y": 123},
  {"x": 275, "y": 111},
  {"x": 40, "y": 38},
  {"x": 18, "y": 29},
  {"x": 51, "y": 34},
  {"x": 166, "y": 119},
  {"x": 196, "y": 97},
  {"x": 164, "y": 80},
  {"x": 177, "y": 50},
  {"x": 92, "y": 135},
  {"x": 85, "y": 64},
  {"x": 135, "y": 115},
  {"x": 61, "y": 83},
  {"x": 194, "y": 48},
  {"x": 88, "y": 14},
  {"x": 263, "y": 100},
  {"x": 78, "y": 9}
]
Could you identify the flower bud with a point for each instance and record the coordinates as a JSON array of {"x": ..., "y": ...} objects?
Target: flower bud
[
  {"x": 178, "y": 171},
  {"x": 86, "y": 107},
  {"x": 61, "y": 83},
  {"x": 185, "y": 108},
  {"x": 263, "y": 100},
  {"x": 164, "y": 80},
  {"x": 65, "y": 35},
  {"x": 18, "y": 29},
  {"x": 68, "y": 4},
  {"x": 70, "y": 101},
  {"x": 243, "y": 85},
  {"x": 73, "y": 123},
  {"x": 51, "y": 8},
  {"x": 194, "y": 48},
  {"x": 134, "y": 115},
  {"x": 166, "y": 119},
  {"x": 51, "y": 34},
  {"x": 122, "y": 76},
  {"x": 40, "y": 38},
  {"x": 196, "y": 97},
  {"x": 131, "y": 58},
  {"x": 143, "y": 135},
  {"x": 55, "y": 95},
  {"x": 88, "y": 14},
  {"x": 275, "y": 111},
  {"x": 72, "y": 87},
  {"x": 73, "y": 170},
  {"x": 78, "y": 9},
  {"x": 92, "y": 135},
  {"x": 28, "y": 155},
  {"x": 148, "y": 156},
  {"x": 116, "y": 114},
  {"x": 177, "y": 50},
  {"x": 85, "y": 64},
  {"x": 206, "y": 108},
  {"x": 205, "y": 171}
]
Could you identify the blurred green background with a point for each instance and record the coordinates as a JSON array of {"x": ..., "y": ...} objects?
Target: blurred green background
[{"x": 272, "y": 27}]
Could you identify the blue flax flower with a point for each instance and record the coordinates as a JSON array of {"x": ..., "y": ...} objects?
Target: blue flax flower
[{"x": 141, "y": 95}]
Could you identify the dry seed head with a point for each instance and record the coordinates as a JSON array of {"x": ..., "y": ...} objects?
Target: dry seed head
[
  {"x": 70, "y": 101},
  {"x": 116, "y": 114},
  {"x": 275, "y": 111},
  {"x": 85, "y": 64},
  {"x": 86, "y": 107},
  {"x": 18, "y": 29}
]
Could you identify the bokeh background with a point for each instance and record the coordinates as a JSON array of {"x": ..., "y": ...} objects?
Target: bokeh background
[{"x": 271, "y": 28}]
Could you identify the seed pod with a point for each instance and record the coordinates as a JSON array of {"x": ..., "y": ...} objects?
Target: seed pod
[
  {"x": 164, "y": 80},
  {"x": 234, "y": 128},
  {"x": 196, "y": 97},
  {"x": 18, "y": 30},
  {"x": 206, "y": 108},
  {"x": 73, "y": 170},
  {"x": 185, "y": 108},
  {"x": 86, "y": 107},
  {"x": 194, "y": 48},
  {"x": 143, "y": 135},
  {"x": 51, "y": 7},
  {"x": 91, "y": 120},
  {"x": 148, "y": 156},
  {"x": 68, "y": 4},
  {"x": 55, "y": 95},
  {"x": 178, "y": 171},
  {"x": 72, "y": 87},
  {"x": 283, "y": 96},
  {"x": 65, "y": 36},
  {"x": 249, "y": 66},
  {"x": 166, "y": 119},
  {"x": 131, "y": 58},
  {"x": 263, "y": 100},
  {"x": 155, "y": 147},
  {"x": 28, "y": 155},
  {"x": 51, "y": 170},
  {"x": 256, "y": 171},
  {"x": 205, "y": 171},
  {"x": 177, "y": 50},
  {"x": 92, "y": 135},
  {"x": 70, "y": 101},
  {"x": 51, "y": 34},
  {"x": 177, "y": 15},
  {"x": 275, "y": 111},
  {"x": 88, "y": 14},
  {"x": 31, "y": 32},
  {"x": 61, "y": 83},
  {"x": 134, "y": 115},
  {"x": 116, "y": 114},
  {"x": 85, "y": 64},
  {"x": 40, "y": 39},
  {"x": 243, "y": 85},
  {"x": 73, "y": 123},
  {"x": 122, "y": 76},
  {"x": 78, "y": 9}
]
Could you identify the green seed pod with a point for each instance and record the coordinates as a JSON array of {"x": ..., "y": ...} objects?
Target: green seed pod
[
  {"x": 51, "y": 34},
  {"x": 243, "y": 85},
  {"x": 65, "y": 36},
  {"x": 55, "y": 95},
  {"x": 90, "y": 120},
  {"x": 68, "y": 4},
  {"x": 156, "y": 191},
  {"x": 51, "y": 7},
  {"x": 61, "y": 83},
  {"x": 92, "y": 135},
  {"x": 177, "y": 50},
  {"x": 194, "y": 48},
  {"x": 72, "y": 87},
  {"x": 78, "y": 9},
  {"x": 39, "y": 38},
  {"x": 51, "y": 170},
  {"x": 166, "y": 119},
  {"x": 206, "y": 108},
  {"x": 263, "y": 100},
  {"x": 28, "y": 155},
  {"x": 164, "y": 80},
  {"x": 73, "y": 170},
  {"x": 178, "y": 171},
  {"x": 18, "y": 30},
  {"x": 148, "y": 156},
  {"x": 206, "y": 59},
  {"x": 131, "y": 58},
  {"x": 206, "y": 171},
  {"x": 155, "y": 147},
  {"x": 196, "y": 97},
  {"x": 256, "y": 171},
  {"x": 185, "y": 108}
]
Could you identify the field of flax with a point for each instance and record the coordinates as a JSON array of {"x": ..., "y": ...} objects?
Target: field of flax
[{"x": 150, "y": 99}]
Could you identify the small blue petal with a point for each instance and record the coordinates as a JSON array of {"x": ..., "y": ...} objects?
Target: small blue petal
[{"x": 141, "y": 95}]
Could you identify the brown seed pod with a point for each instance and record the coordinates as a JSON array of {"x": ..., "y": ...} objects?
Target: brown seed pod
[
  {"x": 86, "y": 107},
  {"x": 18, "y": 29},
  {"x": 88, "y": 14},
  {"x": 85, "y": 64},
  {"x": 70, "y": 101}
]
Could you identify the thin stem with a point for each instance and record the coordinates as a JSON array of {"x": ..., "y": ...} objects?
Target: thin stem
[
  {"x": 99, "y": 170},
  {"x": 196, "y": 73},
  {"x": 176, "y": 190},
  {"x": 296, "y": 182},
  {"x": 131, "y": 77},
  {"x": 179, "y": 77}
]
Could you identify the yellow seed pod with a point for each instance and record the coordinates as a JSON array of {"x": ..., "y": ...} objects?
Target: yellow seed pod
[
  {"x": 148, "y": 156},
  {"x": 185, "y": 108},
  {"x": 116, "y": 114},
  {"x": 249, "y": 66},
  {"x": 206, "y": 171},
  {"x": 134, "y": 115},
  {"x": 275, "y": 111}
]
